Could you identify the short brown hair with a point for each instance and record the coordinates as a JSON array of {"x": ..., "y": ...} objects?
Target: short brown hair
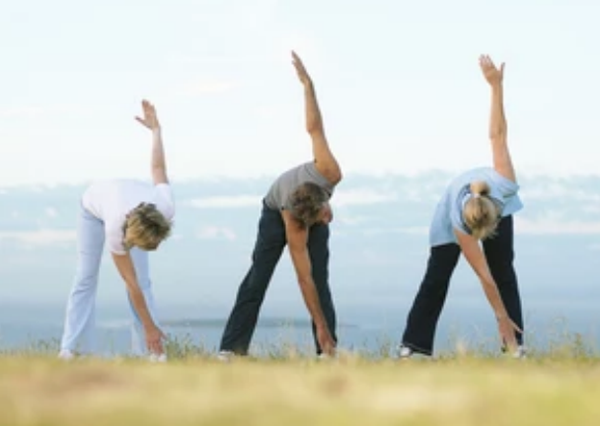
[
  {"x": 306, "y": 202},
  {"x": 481, "y": 212},
  {"x": 145, "y": 227}
]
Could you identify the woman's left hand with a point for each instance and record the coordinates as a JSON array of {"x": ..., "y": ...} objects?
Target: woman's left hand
[{"x": 150, "y": 119}]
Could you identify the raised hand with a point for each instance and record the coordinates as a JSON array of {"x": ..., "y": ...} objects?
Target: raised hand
[
  {"x": 150, "y": 119},
  {"x": 492, "y": 74},
  {"x": 301, "y": 70}
]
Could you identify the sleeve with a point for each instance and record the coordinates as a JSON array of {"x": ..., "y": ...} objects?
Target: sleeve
[
  {"x": 114, "y": 239},
  {"x": 506, "y": 187},
  {"x": 455, "y": 213},
  {"x": 317, "y": 177},
  {"x": 163, "y": 198},
  {"x": 454, "y": 208}
]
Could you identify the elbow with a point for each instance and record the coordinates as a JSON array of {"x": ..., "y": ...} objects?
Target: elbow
[
  {"x": 336, "y": 177},
  {"x": 315, "y": 128},
  {"x": 303, "y": 276},
  {"x": 498, "y": 131},
  {"x": 301, "y": 265},
  {"x": 498, "y": 134},
  {"x": 302, "y": 282},
  {"x": 333, "y": 174}
]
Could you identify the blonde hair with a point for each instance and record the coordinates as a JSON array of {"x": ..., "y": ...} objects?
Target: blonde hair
[
  {"x": 145, "y": 227},
  {"x": 480, "y": 212}
]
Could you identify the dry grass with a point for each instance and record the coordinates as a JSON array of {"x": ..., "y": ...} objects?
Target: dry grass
[{"x": 462, "y": 391}]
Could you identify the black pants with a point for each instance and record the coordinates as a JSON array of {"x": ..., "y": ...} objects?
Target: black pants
[
  {"x": 269, "y": 246},
  {"x": 427, "y": 306}
]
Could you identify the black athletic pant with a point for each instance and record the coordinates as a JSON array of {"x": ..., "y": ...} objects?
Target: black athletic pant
[
  {"x": 429, "y": 301},
  {"x": 269, "y": 246}
]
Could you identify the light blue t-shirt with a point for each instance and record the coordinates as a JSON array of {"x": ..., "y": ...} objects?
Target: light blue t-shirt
[{"x": 448, "y": 213}]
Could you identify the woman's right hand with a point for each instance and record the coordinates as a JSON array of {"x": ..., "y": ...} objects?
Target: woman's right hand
[
  {"x": 325, "y": 340},
  {"x": 492, "y": 74},
  {"x": 507, "y": 329},
  {"x": 150, "y": 119},
  {"x": 154, "y": 338}
]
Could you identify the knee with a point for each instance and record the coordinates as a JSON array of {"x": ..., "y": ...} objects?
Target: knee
[
  {"x": 433, "y": 288},
  {"x": 144, "y": 283},
  {"x": 504, "y": 273},
  {"x": 85, "y": 282}
]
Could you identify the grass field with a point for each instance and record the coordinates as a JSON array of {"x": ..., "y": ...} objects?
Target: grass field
[{"x": 560, "y": 387}]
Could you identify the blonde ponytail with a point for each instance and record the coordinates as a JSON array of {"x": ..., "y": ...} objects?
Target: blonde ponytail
[
  {"x": 481, "y": 213},
  {"x": 480, "y": 187}
]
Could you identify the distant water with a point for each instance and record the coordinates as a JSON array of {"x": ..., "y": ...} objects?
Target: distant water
[{"x": 369, "y": 331}]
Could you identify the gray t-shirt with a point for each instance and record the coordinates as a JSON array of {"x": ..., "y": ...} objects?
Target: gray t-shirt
[{"x": 286, "y": 184}]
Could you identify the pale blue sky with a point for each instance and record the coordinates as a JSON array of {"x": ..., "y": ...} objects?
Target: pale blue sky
[{"x": 398, "y": 82}]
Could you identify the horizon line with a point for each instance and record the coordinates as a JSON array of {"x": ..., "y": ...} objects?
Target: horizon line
[{"x": 270, "y": 176}]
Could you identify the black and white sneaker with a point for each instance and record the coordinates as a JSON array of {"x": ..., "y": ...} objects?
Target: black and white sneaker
[
  {"x": 225, "y": 356},
  {"x": 404, "y": 352},
  {"x": 520, "y": 353}
]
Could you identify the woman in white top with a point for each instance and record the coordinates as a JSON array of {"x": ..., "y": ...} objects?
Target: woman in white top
[{"x": 133, "y": 218}]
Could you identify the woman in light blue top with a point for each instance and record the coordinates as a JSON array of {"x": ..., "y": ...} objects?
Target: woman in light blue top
[{"x": 477, "y": 206}]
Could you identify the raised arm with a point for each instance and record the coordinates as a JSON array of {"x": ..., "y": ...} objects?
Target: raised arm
[
  {"x": 498, "y": 127},
  {"x": 297, "y": 239},
  {"x": 158, "y": 165},
  {"x": 325, "y": 161}
]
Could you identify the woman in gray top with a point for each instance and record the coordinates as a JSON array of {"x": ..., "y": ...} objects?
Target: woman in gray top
[
  {"x": 477, "y": 206},
  {"x": 295, "y": 212}
]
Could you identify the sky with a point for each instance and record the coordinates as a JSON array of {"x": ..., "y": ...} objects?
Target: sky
[{"x": 398, "y": 82}]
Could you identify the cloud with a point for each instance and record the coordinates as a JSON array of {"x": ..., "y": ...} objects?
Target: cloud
[
  {"x": 36, "y": 111},
  {"x": 351, "y": 220},
  {"x": 555, "y": 227},
  {"x": 23, "y": 111},
  {"x": 203, "y": 87},
  {"x": 40, "y": 237},
  {"x": 185, "y": 59},
  {"x": 412, "y": 230},
  {"x": 361, "y": 196},
  {"x": 341, "y": 199},
  {"x": 51, "y": 212},
  {"x": 560, "y": 190},
  {"x": 267, "y": 113},
  {"x": 216, "y": 232},
  {"x": 234, "y": 201}
]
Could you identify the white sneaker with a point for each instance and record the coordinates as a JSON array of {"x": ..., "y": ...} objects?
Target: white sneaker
[
  {"x": 158, "y": 358},
  {"x": 520, "y": 353},
  {"x": 404, "y": 352},
  {"x": 66, "y": 354},
  {"x": 325, "y": 357},
  {"x": 225, "y": 356}
]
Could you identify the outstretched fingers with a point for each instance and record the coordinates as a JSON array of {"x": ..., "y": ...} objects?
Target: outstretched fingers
[
  {"x": 300, "y": 68},
  {"x": 486, "y": 62},
  {"x": 149, "y": 119}
]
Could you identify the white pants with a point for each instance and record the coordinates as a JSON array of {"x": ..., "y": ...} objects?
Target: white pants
[{"x": 80, "y": 313}]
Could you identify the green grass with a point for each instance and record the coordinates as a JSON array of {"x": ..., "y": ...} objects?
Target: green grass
[{"x": 476, "y": 386}]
